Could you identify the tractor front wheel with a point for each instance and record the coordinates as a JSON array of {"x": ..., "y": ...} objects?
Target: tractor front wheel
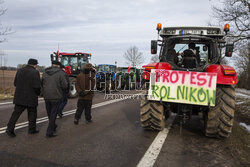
[
  {"x": 152, "y": 114},
  {"x": 72, "y": 90}
]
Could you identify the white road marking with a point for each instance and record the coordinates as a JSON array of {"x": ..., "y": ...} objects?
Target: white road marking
[
  {"x": 11, "y": 102},
  {"x": 154, "y": 149},
  {"x": 44, "y": 119}
]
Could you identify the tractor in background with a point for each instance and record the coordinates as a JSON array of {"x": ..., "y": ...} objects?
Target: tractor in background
[
  {"x": 127, "y": 78},
  {"x": 106, "y": 77},
  {"x": 73, "y": 63}
]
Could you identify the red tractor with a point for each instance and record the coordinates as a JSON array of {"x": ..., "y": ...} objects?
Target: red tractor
[
  {"x": 189, "y": 79},
  {"x": 73, "y": 63}
]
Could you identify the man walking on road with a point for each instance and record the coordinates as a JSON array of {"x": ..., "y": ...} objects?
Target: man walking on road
[
  {"x": 65, "y": 94},
  {"x": 27, "y": 83},
  {"x": 53, "y": 83},
  {"x": 85, "y": 83}
]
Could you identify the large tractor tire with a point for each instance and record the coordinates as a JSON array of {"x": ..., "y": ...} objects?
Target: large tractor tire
[
  {"x": 219, "y": 119},
  {"x": 152, "y": 114},
  {"x": 72, "y": 90}
]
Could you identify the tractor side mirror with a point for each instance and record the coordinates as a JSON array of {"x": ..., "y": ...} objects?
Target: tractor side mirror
[
  {"x": 229, "y": 50},
  {"x": 153, "y": 47},
  {"x": 52, "y": 57}
]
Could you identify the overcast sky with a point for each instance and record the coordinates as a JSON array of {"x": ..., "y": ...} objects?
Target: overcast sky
[{"x": 104, "y": 28}]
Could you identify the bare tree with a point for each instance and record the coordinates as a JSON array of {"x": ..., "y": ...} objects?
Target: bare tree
[
  {"x": 155, "y": 59},
  {"x": 3, "y": 30},
  {"x": 242, "y": 60},
  {"x": 133, "y": 56},
  {"x": 237, "y": 14}
]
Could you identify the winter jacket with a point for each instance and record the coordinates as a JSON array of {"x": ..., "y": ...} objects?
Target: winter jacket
[
  {"x": 54, "y": 83},
  {"x": 67, "y": 78},
  {"x": 27, "y": 83},
  {"x": 85, "y": 83}
]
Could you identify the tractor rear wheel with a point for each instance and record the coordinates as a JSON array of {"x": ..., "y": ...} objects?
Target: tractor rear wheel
[
  {"x": 152, "y": 114},
  {"x": 72, "y": 90},
  {"x": 218, "y": 121}
]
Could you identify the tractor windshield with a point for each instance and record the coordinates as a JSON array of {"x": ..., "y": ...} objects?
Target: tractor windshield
[
  {"x": 189, "y": 52},
  {"x": 112, "y": 68},
  {"x": 106, "y": 68},
  {"x": 75, "y": 62}
]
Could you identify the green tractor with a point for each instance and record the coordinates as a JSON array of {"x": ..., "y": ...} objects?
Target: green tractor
[{"x": 127, "y": 78}]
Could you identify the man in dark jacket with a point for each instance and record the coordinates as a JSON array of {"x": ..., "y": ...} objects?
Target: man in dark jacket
[
  {"x": 27, "y": 83},
  {"x": 54, "y": 83},
  {"x": 85, "y": 83},
  {"x": 65, "y": 94}
]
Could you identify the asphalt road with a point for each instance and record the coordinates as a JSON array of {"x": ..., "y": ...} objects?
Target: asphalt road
[{"x": 115, "y": 138}]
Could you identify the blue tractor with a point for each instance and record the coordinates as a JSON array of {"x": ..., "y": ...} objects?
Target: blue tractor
[{"x": 106, "y": 77}]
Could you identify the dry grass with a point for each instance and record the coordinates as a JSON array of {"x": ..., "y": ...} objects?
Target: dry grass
[
  {"x": 7, "y": 87},
  {"x": 7, "y": 80},
  {"x": 5, "y": 96}
]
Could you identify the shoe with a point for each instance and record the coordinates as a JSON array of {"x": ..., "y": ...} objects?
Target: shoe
[
  {"x": 51, "y": 135},
  {"x": 89, "y": 121},
  {"x": 10, "y": 133},
  {"x": 33, "y": 132},
  {"x": 76, "y": 121},
  {"x": 60, "y": 116}
]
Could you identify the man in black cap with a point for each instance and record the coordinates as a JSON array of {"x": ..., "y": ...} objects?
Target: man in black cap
[
  {"x": 54, "y": 83},
  {"x": 27, "y": 83}
]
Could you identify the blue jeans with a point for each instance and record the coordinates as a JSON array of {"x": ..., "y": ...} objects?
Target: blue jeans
[{"x": 63, "y": 103}]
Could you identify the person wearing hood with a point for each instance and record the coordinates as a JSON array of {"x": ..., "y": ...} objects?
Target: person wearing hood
[
  {"x": 27, "y": 83},
  {"x": 85, "y": 83},
  {"x": 54, "y": 83}
]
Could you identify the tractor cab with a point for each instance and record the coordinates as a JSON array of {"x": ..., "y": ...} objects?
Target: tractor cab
[
  {"x": 73, "y": 62},
  {"x": 106, "y": 77},
  {"x": 190, "y": 48}
]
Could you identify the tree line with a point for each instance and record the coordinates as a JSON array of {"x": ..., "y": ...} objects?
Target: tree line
[{"x": 237, "y": 14}]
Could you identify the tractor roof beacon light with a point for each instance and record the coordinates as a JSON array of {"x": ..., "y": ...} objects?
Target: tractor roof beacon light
[
  {"x": 226, "y": 28},
  {"x": 158, "y": 28}
]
